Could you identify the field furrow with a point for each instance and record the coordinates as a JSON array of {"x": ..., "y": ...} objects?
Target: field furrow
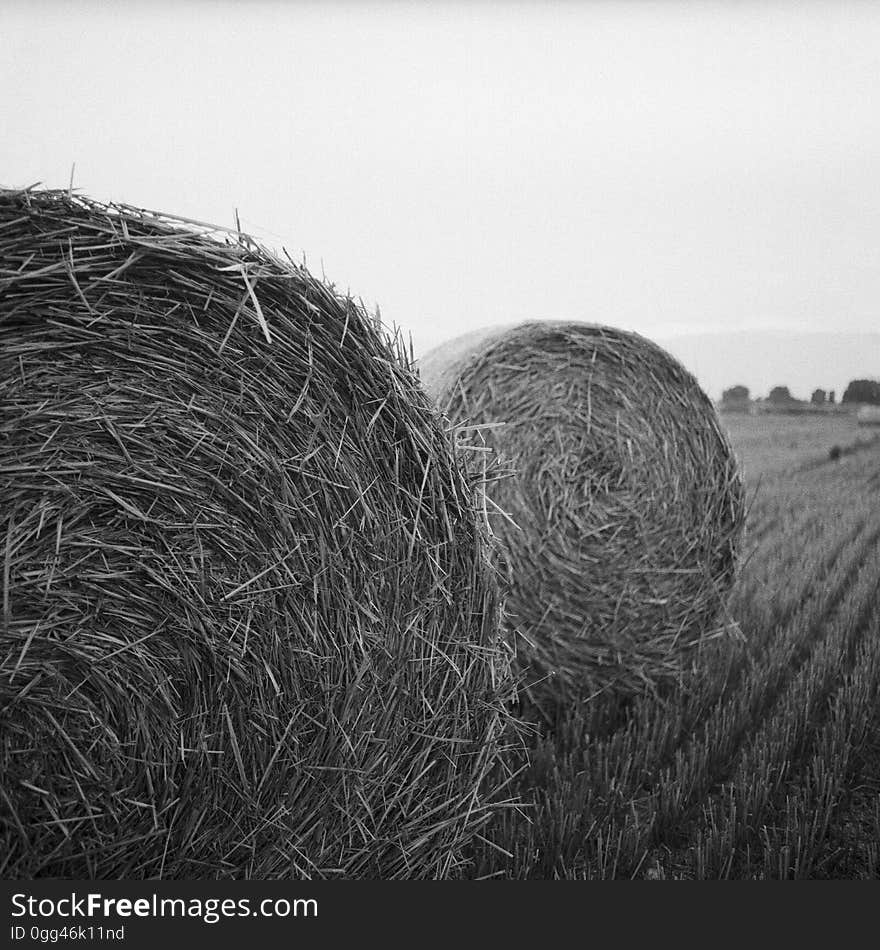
[{"x": 731, "y": 818}]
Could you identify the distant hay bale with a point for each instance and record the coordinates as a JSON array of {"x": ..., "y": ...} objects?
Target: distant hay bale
[
  {"x": 868, "y": 415},
  {"x": 249, "y": 624},
  {"x": 627, "y": 502}
]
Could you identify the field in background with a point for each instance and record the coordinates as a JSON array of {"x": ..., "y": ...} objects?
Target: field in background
[
  {"x": 765, "y": 763},
  {"x": 771, "y": 443}
]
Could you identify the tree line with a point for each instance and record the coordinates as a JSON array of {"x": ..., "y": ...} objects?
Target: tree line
[{"x": 858, "y": 391}]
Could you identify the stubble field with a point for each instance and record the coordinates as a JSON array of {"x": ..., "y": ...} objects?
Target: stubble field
[{"x": 765, "y": 763}]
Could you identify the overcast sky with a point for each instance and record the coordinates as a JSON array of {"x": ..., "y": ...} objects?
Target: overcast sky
[{"x": 662, "y": 167}]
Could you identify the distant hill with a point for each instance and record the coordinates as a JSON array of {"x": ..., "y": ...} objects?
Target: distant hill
[{"x": 761, "y": 359}]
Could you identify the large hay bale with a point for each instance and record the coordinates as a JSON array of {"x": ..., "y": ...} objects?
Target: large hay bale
[
  {"x": 249, "y": 625},
  {"x": 626, "y": 500}
]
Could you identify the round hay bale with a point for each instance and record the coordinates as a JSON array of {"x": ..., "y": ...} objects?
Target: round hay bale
[
  {"x": 626, "y": 502},
  {"x": 249, "y": 624}
]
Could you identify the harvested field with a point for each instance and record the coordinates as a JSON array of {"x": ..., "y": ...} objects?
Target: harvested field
[
  {"x": 767, "y": 765},
  {"x": 768, "y": 443},
  {"x": 249, "y": 627}
]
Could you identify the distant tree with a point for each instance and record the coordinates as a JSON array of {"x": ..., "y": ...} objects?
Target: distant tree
[
  {"x": 863, "y": 390},
  {"x": 735, "y": 394},
  {"x": 780, "y": 394},
  {"x": 832, "y": 396},
  {"x": 818, "y": 398}
]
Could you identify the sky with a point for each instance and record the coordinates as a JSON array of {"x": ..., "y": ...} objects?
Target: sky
[{"x": 670, "y": 168}]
